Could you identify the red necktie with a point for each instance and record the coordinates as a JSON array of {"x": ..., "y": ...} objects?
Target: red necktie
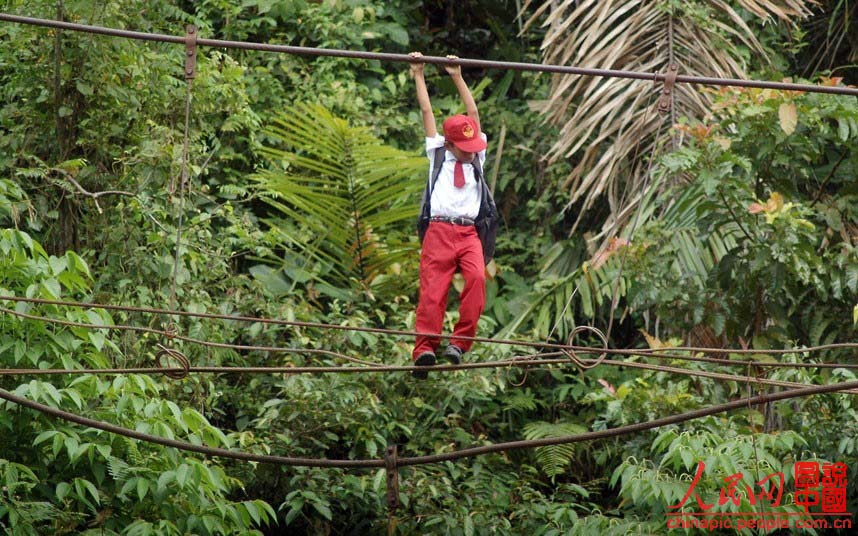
[{"x": 458, "y": 175}]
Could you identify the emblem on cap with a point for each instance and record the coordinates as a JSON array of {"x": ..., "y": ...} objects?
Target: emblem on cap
[{"x": 468, "y": 131}]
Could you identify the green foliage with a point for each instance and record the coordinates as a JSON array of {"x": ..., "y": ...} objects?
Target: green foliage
[
  {"x": 12, "y": 202},
  {"x": 351, "y": 195},
  {"x": 65, "y": 478},
  {"x": 553, "y": 459},
  {"x": 759, "y": 233},
  {"x": 750, "y": 226},
  {"x": 24, "y": 516},
  {"x": 652, "y": 487},
  {"x": 92, "y": 114}
]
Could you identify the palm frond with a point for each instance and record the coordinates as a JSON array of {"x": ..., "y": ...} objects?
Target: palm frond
[
  {"x": 573, "y": 296},
  {"x": 553, "y": 459},
  {"x": 604, "y": 122},
  {"x": 345, "y": 187}
]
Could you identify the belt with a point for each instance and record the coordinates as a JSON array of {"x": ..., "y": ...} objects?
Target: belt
[{"x": 454, "y": 221}]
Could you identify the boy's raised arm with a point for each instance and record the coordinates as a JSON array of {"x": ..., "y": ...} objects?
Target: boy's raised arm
[
  {"x": 455, "y": 72},
  {"x": 429, "y": 126}
]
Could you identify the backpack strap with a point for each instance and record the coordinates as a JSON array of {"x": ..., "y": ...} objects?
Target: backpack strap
[
  {"x": 478, "y": 176},
  {"x": 437, "y": 164},
  {"x": 487, "y": 219},
  {"x": 478, "y": 168},
  {"x": 434, "y": 172}
]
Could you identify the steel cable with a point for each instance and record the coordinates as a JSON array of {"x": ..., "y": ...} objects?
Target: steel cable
[
  {"x": 169, "y": 334},
  {"x": 428, "y": 459},
  {"x": 654, "y": 353},
  {"x": 405, "y": 58},
  {"x": 536, "y": 361}
]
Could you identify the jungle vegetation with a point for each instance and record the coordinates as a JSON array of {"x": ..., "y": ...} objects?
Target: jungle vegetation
[{"x": 735, "y": 227}]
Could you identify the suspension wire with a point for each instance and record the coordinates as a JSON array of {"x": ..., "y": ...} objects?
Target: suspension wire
[
  {"x": 406, "y": 333},
  {"x": 615, "y": 295},
  {"x": 182, "y": 445},
  {"x": 192, "y": 40},
  {"x": 543, "y": 361},
  {"x": 712, "y": 375},
  {"x": 429, "y": 459},
  {"x": 538, "y": 360},
  {"x": 671, "y": 62},
  {"x": 438, "y": 60},
  {"x": 747, "y": 351},
  {"x": 272, "y": 321},
  {"x": 565, "y": 349},
  {"x": 183, "y": 186},
  {"x": 629, "y": 429},
  {"x": 173, "y": 335}
]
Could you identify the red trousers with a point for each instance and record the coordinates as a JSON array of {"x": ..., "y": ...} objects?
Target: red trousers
[{"x": 447, "y": 247}]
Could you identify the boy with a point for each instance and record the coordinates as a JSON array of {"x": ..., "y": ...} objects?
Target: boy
[{"x": 457, "y": 223}]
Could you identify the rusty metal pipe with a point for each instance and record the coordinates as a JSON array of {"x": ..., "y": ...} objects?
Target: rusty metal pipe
[{"x": 405, "y": 58}]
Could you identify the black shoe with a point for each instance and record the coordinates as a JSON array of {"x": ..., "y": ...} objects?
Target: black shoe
[
  {"x": 453, "y": 354},
  {"x": 426, "y": 359}
]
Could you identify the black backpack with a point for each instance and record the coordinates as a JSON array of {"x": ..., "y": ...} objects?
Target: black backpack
[{"x": 487, "y": 218}]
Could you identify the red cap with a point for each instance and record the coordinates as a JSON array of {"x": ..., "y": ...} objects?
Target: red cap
[{"x": 462, "y": 131}]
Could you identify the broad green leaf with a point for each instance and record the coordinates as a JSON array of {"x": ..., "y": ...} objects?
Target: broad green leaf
[
  {"x": 253, "y": 511},
  {"x": 58, "y": 264},
  {"x": 687, "y": 457},
  {"x": 182, "y": 474},
  {"x": 51, "y": 289},
  {"x": 142, "y": 488},
  {"x": 469, "y": 526},
  {"x": 85, "y": 89},
  {"x": 44, "y": 436},
  {"x": 63, "y": 489},
  {"x": 98, "y": 339},
  {"x": 843, "y": 129},
  {"x": 165, "y": 479},
  {"x": 323, "y": 509},
  {"x": 90, "y": 487}
]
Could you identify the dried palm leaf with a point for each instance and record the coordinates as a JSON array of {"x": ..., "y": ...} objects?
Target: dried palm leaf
[{"x": 607, "y": 124}]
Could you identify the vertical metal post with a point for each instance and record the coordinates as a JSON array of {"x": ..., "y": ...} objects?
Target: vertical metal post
[
  {"x": 190, "y": 51},
  {"x": 390, "y": 465},
  {"x": 665, "y": 102},
  {"x": 190, "y": 73}
]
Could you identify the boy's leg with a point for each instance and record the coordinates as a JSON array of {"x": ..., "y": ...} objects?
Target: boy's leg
[
  {"x": 437, "y": 265},
  {"x": 473, "y": 298}
]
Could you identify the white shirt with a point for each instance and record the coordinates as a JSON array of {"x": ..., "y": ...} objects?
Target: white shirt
[{"x": 447, "y": 200}]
